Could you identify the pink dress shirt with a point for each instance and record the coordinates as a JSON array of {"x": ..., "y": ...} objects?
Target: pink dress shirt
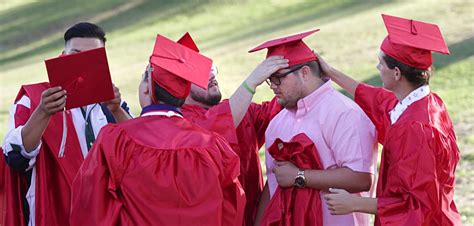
[{"x": 343, "y": 134}]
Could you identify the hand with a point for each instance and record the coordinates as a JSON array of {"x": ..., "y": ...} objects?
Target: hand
[
  {"x": 324, "y": 67},
  {"x": 52, "y": 100},
  {"x": 340, "y": 201},
  {"x": 114, "y": 104},
  {"x": 285, "y": 173},
  {"x": 265, "y": 69}
]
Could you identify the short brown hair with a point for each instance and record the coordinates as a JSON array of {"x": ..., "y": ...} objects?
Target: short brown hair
[
  {"x": 417, "y": 77},
  {"x": 314, "y": 66}
]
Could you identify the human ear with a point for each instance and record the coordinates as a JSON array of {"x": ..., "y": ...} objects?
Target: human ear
[
  {"x": 397, "y": 73},
  {"x": 305, "y": 72}
]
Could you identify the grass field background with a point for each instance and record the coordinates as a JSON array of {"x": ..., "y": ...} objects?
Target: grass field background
[{"x": 351, "y": 32}]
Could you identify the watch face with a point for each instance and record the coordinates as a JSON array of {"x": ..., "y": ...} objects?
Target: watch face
[{"x": 300, "y": 182}]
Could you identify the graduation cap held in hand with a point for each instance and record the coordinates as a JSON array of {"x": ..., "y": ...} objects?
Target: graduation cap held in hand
[{"x": 84, "y": 76}]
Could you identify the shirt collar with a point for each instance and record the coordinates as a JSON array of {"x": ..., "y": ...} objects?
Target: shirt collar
[
  {"x": 305, "y": 104},
  {"x": 414, "y": 96},
  {"x": 160, "y": 108}
]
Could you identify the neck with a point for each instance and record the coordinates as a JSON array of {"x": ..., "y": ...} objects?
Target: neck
[
  {"x": 145, "y": 102},
  {"x": 403, "y": 91},
  {"x": 313, "y": 85},
  {"x": 191, "y": 101},
  {"x": 160, "y": 107}
]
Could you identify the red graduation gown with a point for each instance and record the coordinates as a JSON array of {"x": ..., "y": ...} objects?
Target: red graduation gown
[
  {"x": 246, "y": 141},
  {"x": 54, "y": 175},
  {"x": 155, "y": 170},
  {"x": 13, "y": 188},
  {"x": 295, "y": 206},
  {"x": 419, "y": 159}
]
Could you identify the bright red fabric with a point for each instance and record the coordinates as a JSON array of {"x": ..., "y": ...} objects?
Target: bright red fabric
[
  {"x": 246, "y": 141},
  {"x": 54, "y": 175},
  {"x": 411, "y": 41},
  {"x": 12, "y": 191},
  {"x": 175, "y": 67},
  {"x": 419, "y": 158},
  {"x": 295, "y": 206},
  {"x": 417, "y": 58},
  {"x": 155, "y": 170},
  {"x": 79, "y": 74},
  {"x": 291, "y": 47}
]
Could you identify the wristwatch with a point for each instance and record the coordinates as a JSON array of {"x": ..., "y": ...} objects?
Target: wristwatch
[{"x": 300, "y": 180}]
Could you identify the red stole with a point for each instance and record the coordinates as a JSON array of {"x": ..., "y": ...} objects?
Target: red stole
[{"x": 54, "y": 175}]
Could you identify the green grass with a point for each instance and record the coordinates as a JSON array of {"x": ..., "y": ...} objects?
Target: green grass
[{"x": 351, "y": 32}]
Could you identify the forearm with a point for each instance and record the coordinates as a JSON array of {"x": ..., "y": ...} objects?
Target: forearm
[
  {"x": 239, "y": 103},
  {"x": 241, "y": 99},
  {"x": 343, "y": 80},
  {"x": 33, "y": 129},
  {"x": 342, "y": 178},
  {"x": 264, "y": 199},
  {"x": 121, "y": 115}
]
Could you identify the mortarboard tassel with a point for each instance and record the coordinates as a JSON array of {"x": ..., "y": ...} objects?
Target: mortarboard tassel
[{"x": 64, "y": 136}]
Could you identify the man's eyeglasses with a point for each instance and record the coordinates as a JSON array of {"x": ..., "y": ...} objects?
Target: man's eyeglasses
[{"x": 275, "y": 78}]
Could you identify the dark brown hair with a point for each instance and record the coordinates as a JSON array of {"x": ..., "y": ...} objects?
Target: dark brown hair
[{"x": 417, "y": 77}]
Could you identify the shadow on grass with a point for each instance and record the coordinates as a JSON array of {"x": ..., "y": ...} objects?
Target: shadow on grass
[
  {"x": 42, "y": 19},
  {"x": 31, "y": 22},
  {"x": 459, "y": 51},
  {"x": 323, "y": 11},
  {"x": 467, "y": 158}
]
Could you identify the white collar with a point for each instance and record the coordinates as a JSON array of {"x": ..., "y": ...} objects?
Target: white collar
[
  {"x": 401, "y": 106},
  {"x": 162, "y": 113}
]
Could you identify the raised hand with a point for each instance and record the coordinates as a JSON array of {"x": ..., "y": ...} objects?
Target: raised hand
[
  {"x": 52, "y": 100},
  {"x": 265, "y": 70},
  {"x": 114, "y": 104},
  {"x": 326, "y": 69}
]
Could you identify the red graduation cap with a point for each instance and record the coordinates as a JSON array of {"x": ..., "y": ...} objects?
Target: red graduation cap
[
  {"x": 188, "y": 41},
  {"x": 85, "y": 76},
  {"x": 175, "y": 67},
  {"x": 411, "y": 41},
  {"x": 290, "y": 47}
]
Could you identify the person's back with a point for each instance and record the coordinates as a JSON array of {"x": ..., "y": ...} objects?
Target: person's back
[
  {"x": 426, "y": 123},
  {"x": 245, "y": 140},
  {"x": 167, "y": 170},
  {"x": 416, "y": 178},
  {"x": 160, "y": 169},
  {"x": 241, "y": 122}
]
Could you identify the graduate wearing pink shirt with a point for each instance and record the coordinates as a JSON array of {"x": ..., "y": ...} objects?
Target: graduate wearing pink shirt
[{"x": 343, "y": 135}]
